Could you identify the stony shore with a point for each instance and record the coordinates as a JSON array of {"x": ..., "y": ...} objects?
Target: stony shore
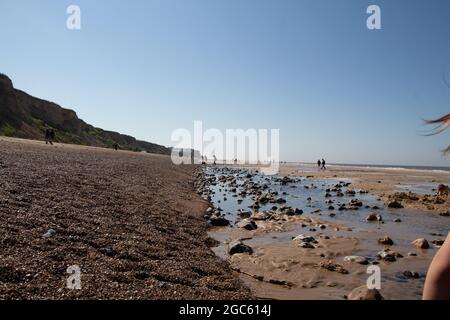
[
  {"x": 132, "y": 222},
  {"x": 312, "y": 235}
]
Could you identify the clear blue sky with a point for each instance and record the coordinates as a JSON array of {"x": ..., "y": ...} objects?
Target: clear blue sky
[{"x": 310, "y": 68}]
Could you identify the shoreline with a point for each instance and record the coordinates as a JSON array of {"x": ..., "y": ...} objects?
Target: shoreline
[
  {"x": 131, "y": 221},
  {"x": 278, "y": 268}
]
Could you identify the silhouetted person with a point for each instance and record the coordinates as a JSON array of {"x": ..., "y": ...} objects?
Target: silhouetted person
[
  {"x": 215, "y": 159},
  {"x": 323, "y": 165},
  {"x": 319, "y": 164},
  {"x": 49, "y": 136},
  {"x": 116, "y": 146}
]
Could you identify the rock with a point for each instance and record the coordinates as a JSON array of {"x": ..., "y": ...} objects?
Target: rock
[
  {"x": 306, "y": 245},
  {"x": 50, "y": 233},
  {"x": 219, "y": 222},
  {"x": 357, "y": 259},
  {"x": 244, "y": 214},
  {"x": 363, "y": 293},
  {"x": 421, "y": 243},
  {"x": 247, "y": 225},
  {"x": 445, "y": 214},
  {"x": 298, "y": 211},
  {"x": 331, "y": 208},
  {"x": 389, "y": 255},
  {"x": 239, "y": 247},
  {"x": 355, "y": 203},
  {"x": 438, "y": 242},
  {"x": 304, "y": 238},
  {"x": 411, "y": 274},
  {"x": 386, "y": 241},
  {"x": 398, "y": 220},
  {"x": 260, "y": 216},
  {"x": 395, "y": 205},
  {"x": 333, "y": 267},
  {"x": 374, "y": 217}
]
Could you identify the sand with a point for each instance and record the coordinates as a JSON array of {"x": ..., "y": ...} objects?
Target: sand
[{"x": 130, "y": 221}]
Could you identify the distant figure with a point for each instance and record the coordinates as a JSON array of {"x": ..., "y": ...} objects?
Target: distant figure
[
  {"x": 235, "y": 161},
  {"x": 116, "y": 146},
  {"x": 215, "y": 159},
  {"x": 443, "y": 190},
  {"x": 323, "y": 165},
  {"x": 319, "y": 164},
  {"x": 49, "y": 136}
]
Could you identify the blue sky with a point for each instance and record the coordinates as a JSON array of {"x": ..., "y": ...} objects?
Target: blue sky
[{"x": 310, "y": 68}]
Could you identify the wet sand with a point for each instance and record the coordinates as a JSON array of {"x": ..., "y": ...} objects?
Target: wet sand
[
  {"x": 282, "y": 268},
  {"x": 131, "y": 221}
]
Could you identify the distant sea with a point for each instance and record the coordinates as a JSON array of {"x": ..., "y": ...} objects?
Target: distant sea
[{"x": 426, "y": 168}]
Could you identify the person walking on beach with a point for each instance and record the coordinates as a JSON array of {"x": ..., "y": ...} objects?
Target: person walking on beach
[
  {"x": 319, "y": 164},
  {"x": 323, "y": 165},
  {"x": 215, "y": 159},
  {"x": 49, "y": 136}
]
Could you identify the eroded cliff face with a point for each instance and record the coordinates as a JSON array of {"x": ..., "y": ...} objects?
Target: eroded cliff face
[{"x": 25, "y": 116}]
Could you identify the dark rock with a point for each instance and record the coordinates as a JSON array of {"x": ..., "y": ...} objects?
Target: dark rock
[
  {"x": 395, "y": 205},
  {"x": 219, "y": 222},
  {"x": 239, "y": 247},
  {"x": 386, "y": 241}
]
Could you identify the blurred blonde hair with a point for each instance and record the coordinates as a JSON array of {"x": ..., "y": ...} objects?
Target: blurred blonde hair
[{"x": 443, "y": 123}]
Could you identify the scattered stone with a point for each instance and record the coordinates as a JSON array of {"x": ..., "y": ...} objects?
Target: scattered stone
[
  {"x": 305, "y": 238},
  {"x": 395, "y": 205},
  {"x": 357, "y": 259},
  {"x": 411, "y": 274},
  {"x": 386, "y": 241},
  {"x": 398, "y": 220},
  {"x": 244, "y": 214},
  {"x": 247, "y": 224},
  {"x": 363, "y": 293},
  {"x": 260, "y": 216},
  {"x": 421, "y": 243},
  {"x": 50, "y": 233},
  {"x": 218, "y": 222},
  {"x": 333, "y": 267},
  {"x": 239, "y": 247},
  {"x": 438, "y": 242},
  {"x": 374, "y": 217},
  {"x": 389, "y": 255}
]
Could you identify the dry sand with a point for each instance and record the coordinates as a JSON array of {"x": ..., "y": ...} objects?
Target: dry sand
[{"x": 131, "y": 221}]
